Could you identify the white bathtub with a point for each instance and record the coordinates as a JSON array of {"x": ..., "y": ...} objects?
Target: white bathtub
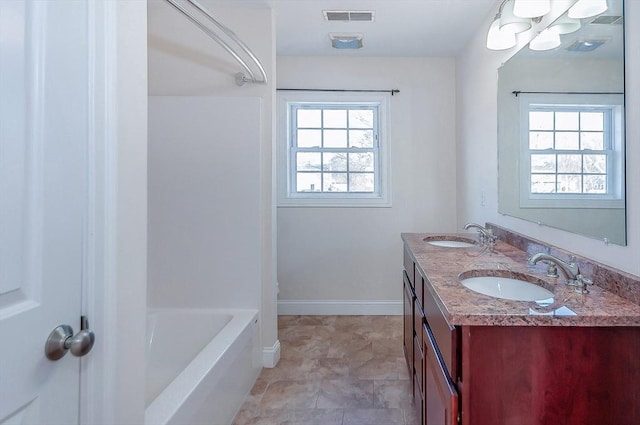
[{"x": 201, "y": 364}]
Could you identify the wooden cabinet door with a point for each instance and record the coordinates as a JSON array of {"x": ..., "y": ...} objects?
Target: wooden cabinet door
[
  {"x": 408, "y": 323},
  {"x": 409, "y": 267},
  {"x": 445, "y": 335},
  {"x": 441, "y": 396}
]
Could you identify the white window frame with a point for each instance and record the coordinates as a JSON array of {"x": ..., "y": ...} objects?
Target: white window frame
[
  {"x": 285, "y": 163},
  {"x": 614, "y": 198}
]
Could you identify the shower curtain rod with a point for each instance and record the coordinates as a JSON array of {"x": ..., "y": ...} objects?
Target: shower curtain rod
[
  {"x": 518, "y": 92},
  {"x": 392, "y": 91},
  {"x": 241, "y": 77}
]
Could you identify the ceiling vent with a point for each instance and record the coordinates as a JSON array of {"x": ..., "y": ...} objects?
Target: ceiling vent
[
  {"x": 585, "y": 45},
  {"x": 607, "y": 20},
  {"x": 349, "y": 15}
]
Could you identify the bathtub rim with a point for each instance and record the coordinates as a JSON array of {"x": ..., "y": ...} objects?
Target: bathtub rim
[{"x": 165, "y": 406}]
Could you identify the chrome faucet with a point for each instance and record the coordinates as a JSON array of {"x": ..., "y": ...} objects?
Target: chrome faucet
[
  {"x": 570, "y": 270},
  {"x": 486, "y": 235}
]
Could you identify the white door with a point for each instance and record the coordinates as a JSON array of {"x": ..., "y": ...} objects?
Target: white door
[{"x": 44, "y": 91}]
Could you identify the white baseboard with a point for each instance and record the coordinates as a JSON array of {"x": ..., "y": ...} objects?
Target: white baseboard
[
  {"x": 271, "y": 355},
  {"x": 354, "y": 308}
]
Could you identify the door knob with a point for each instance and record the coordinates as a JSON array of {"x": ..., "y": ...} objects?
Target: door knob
[{"x": 62, "y": 339}]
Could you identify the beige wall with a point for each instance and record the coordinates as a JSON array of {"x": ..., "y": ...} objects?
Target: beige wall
[{"x": 348, "y": 254}]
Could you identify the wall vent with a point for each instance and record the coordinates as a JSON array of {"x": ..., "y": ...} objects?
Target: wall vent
[{"x": 349, "y": 15}]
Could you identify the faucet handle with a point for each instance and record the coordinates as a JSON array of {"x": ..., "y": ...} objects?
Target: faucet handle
[
  {"x": 580, "y": 284},
  {"x": 552, "y": 269},
  {"x": 585, "y": 280}
]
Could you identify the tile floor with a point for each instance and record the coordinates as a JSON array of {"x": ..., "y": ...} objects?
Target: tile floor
[{"x": 334, "y": 370}]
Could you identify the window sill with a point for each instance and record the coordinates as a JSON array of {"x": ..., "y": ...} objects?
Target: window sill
[
  {"x": 334, "y": 202},
  {"x": 573, "y": 203}
]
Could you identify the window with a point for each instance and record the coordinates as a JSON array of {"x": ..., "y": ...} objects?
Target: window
[
  {"x": 569, "y": 149},
  {"x": 571, "y": 155},
  {"x": 334, "y": 152}
]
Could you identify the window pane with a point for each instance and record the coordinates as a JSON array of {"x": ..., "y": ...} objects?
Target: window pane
[
  {"x": 543, "y": 183},
  {"x": 308, "y": 182},
  {"x": 567, "y": 141},
  {"x": 569, "y": 163},
  {"x": 539, "y": 120},
  {"x": 361, "y": 182},
  {"x": 567, "y": 121},
  {"x": 592, "y": 121},
  {"x": 334, "y": 161},
  {"x": 335, "y": 151},
  {"x": 569, "y": 183},
  {"x": 335, "y": 182},
  {"x": 577, "y": 159},
  {"x": 361, "y": 161},
  {"x": 309, "y": 138},
  {"x": 360, "y": 138},
  {"x": 335, "y": 138},
  {"x": 335, "y": 118},
  {"x": 593, "y": 141},
  {"x": 309, "y": 118},
  {"x": 542, "y": 163},
  {"x": 595, "y": 184},
  {"x": 540, "y": 140},
  {"x": 308, "y": 161},
  {"x": 360, "y": 118},
  {"x": 595, "y": 164}
]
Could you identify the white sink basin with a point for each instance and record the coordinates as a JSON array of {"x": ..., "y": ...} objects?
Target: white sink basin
[
  {"x": 450, "y": 241},
  {"x": 507, "y": 288},
  {"x": 451, "y": 244}
]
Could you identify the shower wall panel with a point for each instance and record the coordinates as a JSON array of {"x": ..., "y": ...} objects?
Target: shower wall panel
[{"x": 204, "y": 202}]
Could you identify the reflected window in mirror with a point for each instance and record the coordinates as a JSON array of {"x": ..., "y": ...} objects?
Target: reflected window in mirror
[{"x": 571, "y": 153}]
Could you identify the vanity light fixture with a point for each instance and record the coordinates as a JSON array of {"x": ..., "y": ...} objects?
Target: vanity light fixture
[
  {"x": 507, "y": 23},
  {"x": 516, "y": 16},
  {"x": 587, "y": 8},
  {"x": 548, "y": 39},
  {"x": 512, "y": 23},
  {"x": 566, "y": 25},
  {"x": 500, "y": 38},
  {"x": 531, "y": 8}
]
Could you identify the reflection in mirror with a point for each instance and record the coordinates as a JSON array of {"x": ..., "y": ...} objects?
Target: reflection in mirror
[{"x": 561, "y": 128}]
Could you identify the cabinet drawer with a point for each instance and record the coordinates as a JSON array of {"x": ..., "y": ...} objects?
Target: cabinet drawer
[
  {"x": 418, "y": 320},
  {"x": 441, "y": 395},
  {"x": 419, "y": 288},
  {"x": 408, "y": 324},
  {"x": 418, "y": 363},
  {"x": 418, "y": 401},
  {"x": 409, "y": 267},
  {"x": 445, "y": 335}
]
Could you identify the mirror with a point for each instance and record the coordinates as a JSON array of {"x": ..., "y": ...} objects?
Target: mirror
[{"x": 561, "y": 130}]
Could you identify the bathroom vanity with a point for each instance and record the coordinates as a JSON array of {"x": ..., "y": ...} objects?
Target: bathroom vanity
[{"x": 477, "y": 359}]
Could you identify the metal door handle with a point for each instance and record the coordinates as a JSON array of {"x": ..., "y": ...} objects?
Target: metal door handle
[{"x": 62, "y": 339}]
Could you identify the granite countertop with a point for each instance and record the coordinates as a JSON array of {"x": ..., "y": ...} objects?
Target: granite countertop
[{"x": 462, "y": 306}]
